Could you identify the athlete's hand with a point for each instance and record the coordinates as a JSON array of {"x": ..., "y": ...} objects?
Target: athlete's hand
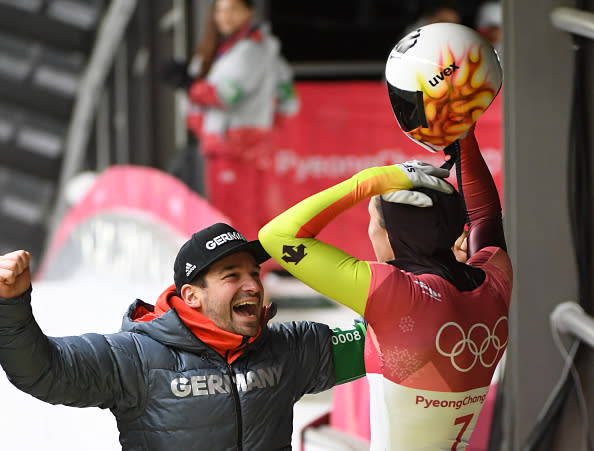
[
  {"x": 460, "y": 247},
  {"x": 425, "y": 175},
  {"x": 15, "y": 276}
]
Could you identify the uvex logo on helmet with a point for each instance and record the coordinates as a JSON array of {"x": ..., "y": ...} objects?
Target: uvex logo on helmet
[{"x": 444, "y": 73}]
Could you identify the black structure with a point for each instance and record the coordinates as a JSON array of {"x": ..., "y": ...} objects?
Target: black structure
[{"x": 43, "y": 50}]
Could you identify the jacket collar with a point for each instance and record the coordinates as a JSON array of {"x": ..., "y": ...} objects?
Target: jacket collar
[{"x": 159, "y": 322}]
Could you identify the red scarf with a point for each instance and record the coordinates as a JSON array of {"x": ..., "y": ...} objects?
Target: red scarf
[{"x": 227, "y": 344}]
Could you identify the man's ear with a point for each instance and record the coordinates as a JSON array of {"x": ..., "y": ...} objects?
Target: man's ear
[{"x": 192, "y": 295}]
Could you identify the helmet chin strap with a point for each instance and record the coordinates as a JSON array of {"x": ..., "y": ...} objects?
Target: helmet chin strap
[{"x": 453, "y": 151}]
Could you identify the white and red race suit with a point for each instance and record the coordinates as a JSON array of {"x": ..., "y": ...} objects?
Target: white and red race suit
[{"x": 431, "y": 348}]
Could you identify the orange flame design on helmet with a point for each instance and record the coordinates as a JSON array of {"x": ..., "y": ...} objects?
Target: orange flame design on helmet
[{"x": 452, "y": 106}]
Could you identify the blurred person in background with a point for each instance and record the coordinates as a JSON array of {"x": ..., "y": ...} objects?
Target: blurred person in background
[
  {"x": 434, "y": 11},
  {"x": 200, "y": 369},
  {"x": 243, "y": 88},
  {"x": 489, "y": 23}
]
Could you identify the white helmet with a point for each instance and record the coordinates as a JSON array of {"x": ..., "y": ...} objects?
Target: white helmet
[{"x": 441, "y": 78}]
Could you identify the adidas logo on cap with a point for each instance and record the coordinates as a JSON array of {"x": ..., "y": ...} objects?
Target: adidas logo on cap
[{"x": 189, "y": 268}]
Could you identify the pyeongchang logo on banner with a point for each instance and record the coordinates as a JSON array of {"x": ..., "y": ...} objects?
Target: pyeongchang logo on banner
[{"x": 331, "y": 166}]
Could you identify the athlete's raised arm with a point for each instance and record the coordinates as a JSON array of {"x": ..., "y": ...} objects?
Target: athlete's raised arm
[
  {"x": 481, "y": 197},
  {"x": 290, "y": 237}
]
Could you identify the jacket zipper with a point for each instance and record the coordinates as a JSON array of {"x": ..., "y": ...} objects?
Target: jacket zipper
[{"x": 237, "y": 405}]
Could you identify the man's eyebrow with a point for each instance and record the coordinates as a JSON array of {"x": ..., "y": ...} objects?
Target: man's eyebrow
[{"x": 227, "y": 268}]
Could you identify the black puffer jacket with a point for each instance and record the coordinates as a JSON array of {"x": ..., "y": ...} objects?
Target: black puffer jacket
[{"x": 167, "y": 389}]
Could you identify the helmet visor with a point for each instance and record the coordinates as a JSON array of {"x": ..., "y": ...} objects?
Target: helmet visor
[{"x": 408, "y": 108}]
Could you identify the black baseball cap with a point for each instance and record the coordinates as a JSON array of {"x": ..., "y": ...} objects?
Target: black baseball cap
[{"x": 208, "y": 246}]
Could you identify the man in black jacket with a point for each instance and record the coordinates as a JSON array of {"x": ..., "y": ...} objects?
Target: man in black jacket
[{"x": 201, "y": 367}]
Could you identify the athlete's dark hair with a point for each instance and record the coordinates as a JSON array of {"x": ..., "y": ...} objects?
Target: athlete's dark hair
[{"x": 377, "y": 203}]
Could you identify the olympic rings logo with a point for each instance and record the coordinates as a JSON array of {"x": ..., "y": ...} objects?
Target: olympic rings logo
[{"x": 478, "y": 351}]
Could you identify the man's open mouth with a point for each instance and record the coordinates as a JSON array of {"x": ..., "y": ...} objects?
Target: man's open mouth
[{"x": 246, "y": 308}]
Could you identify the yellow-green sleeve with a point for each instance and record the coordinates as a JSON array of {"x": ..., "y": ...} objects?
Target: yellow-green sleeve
[{"x": 290, "y": 237}]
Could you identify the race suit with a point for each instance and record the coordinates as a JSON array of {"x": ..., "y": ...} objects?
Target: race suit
[{"x": 431, "y": 349}]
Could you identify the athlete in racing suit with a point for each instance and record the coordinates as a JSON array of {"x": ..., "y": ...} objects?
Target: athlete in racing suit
[{"x": 436, "y": 327}]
